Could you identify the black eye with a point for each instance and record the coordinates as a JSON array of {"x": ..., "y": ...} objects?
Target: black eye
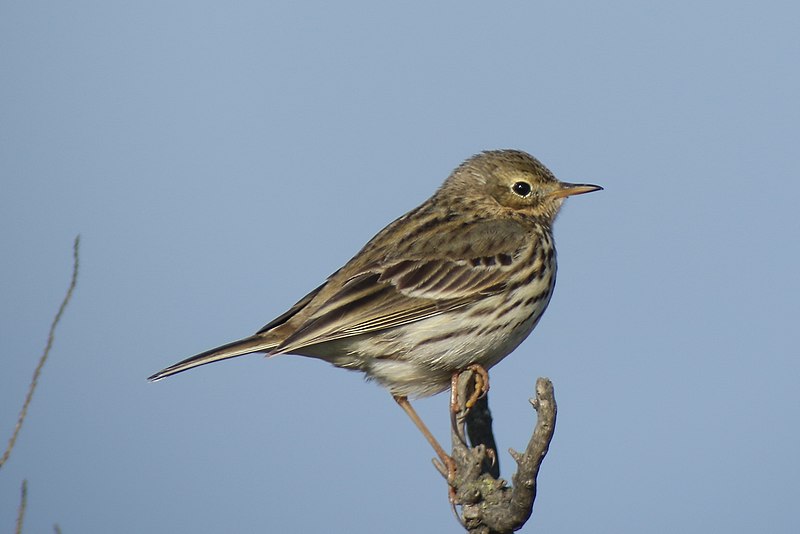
[{"x": 523, "y": 189}]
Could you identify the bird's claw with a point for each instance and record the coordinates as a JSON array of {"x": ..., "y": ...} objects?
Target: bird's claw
[
  {"x": 480, "y": 387},
  {"x": 481, "y": 384}
]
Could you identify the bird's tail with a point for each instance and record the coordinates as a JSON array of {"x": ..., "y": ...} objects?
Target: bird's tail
[{"x": 237, "y": 348}]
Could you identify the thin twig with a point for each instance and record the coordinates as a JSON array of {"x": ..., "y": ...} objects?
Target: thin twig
[
  {"x": 22, "y": 505},
  {"x": 46, "y": 353}
]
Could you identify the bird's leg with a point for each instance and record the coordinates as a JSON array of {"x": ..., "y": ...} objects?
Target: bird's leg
[
  {"x": 448, "y": 465},
  {"x": 479, "y": 390}
]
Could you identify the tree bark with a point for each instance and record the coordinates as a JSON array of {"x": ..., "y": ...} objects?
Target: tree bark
[{"x": 488, "y": 504}]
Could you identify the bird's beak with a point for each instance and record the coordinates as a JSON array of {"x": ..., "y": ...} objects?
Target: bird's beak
[{"x": 567, "y": 190}]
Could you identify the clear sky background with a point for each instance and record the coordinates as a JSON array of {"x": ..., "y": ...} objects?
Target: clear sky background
[{"x": 220, "y": 159}]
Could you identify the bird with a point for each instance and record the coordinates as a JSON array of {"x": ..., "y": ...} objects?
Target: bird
[{"x": 459, "y": 281}]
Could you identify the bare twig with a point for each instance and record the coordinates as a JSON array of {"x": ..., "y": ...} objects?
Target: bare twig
[
  {"x": 23, "y": 503},
  {"x": 488, "y": 505},
  {"x": 50, "y": 338}
]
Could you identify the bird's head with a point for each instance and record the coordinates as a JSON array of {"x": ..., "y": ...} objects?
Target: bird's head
[{"x": 510, "y": 181}]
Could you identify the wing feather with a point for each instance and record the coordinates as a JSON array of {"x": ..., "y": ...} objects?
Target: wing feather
[{"x": 423, "y": 280}]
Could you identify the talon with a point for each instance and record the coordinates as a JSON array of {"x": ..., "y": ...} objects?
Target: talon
[
  {"x": 492, "y": 455},
  {"x": 456, "y": 417},
  {"x": 458, "y": 426},
  {"x": 456, "y": 514}
]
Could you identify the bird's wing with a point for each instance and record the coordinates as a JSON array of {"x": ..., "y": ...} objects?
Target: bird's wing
[
  {"x": 291, "y": 312},
  {"x": 414, "y": 282}
]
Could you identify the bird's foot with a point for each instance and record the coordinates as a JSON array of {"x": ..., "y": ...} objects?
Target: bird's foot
[
  {"x": 476, "y": 389},
  {"x": 481, "y": 387},
  {"x": 446, "y": 466}
]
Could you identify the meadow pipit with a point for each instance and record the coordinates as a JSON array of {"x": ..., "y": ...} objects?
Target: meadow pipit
[{"x": 460, "y": 280}]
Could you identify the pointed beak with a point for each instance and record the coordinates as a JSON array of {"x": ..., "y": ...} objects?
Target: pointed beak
[{"x": 568, "y": 190}]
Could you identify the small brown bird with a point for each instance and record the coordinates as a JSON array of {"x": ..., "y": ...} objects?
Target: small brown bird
[{"x": 460, "y": 280}]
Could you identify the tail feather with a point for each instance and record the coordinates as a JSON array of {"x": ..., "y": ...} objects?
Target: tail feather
[{"x": 241, "y": 347}]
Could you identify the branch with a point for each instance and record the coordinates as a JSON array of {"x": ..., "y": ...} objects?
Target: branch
[
  {"x": 23, "y": 504},
  {"x": 488, "y": 505},
  {"x": 50, "y": 338}
]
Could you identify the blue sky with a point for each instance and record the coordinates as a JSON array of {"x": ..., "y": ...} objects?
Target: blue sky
[{"x": 220, "y": 160}]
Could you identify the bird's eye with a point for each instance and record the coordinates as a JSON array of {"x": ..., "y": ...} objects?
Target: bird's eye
[{"x": 523, "y": 189}]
